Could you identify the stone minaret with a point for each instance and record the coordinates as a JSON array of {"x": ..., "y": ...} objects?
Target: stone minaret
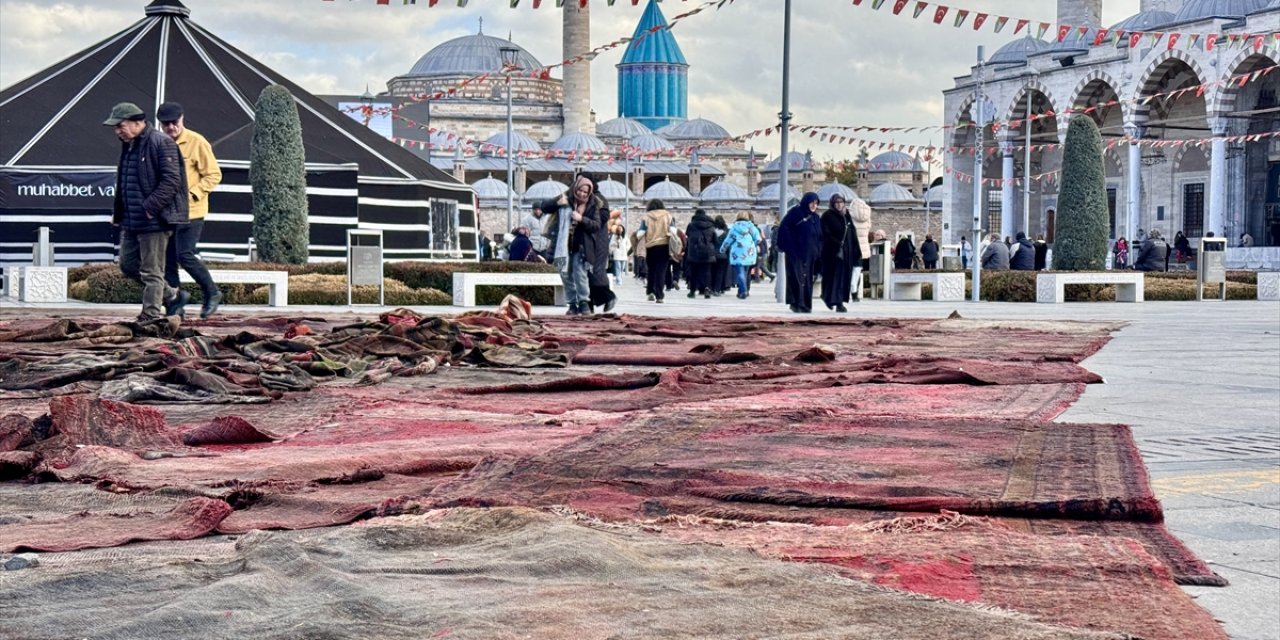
[
  {"x": 806, "y": 176},
  {"x": 521, "y": 180},
  {"x": 459, "y": 164},
  {"x": 1080, "y": 12},
  {"x": 864, "y": 179},
  {"x": 695, "y": 174},
  {"x": 753, "y": 173},
  {"x": 637, "y": 175},
  {"x": 577, "y": 76}
]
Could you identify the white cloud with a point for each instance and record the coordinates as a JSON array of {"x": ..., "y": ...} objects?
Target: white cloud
[{"x": 850, "y": 65}]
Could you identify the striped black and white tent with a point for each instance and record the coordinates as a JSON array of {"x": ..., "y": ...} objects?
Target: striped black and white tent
[{"x": 57, "y": 161}]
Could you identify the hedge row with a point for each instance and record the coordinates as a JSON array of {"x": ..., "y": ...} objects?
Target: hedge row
[
  {"x": 324, "y": 283},
  {"x": 1020, "y": 286}
]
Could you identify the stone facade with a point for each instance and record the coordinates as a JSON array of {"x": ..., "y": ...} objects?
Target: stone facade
[{"x": 1197, "y": 188}]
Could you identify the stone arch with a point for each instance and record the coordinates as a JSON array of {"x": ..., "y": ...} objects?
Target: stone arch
[
  {"x": 1012, "y": 111},
  {"x": 1113, "y": 164},
  {"x": 1080, "y": 96},
  {"x": 1223, "y": 98},
  {"x": 1155, "y": 72},
  {"x": 963, "y": 116},
  {"x": 1195, "y": 157}
]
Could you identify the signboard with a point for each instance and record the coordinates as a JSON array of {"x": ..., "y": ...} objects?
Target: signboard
[
  {"x": 366, "y": 265},
  {"x": 57, "y": 190},
  {"x": 1212, "y": 267}
]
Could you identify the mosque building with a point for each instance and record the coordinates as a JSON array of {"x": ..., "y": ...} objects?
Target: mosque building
[
  {"x": 1186, "y": 108},
  {"x": 652, "y": 149}
]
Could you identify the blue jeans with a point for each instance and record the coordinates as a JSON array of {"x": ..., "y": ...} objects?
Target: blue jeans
[
  {"x": 142, "y": 260},
  {"x": 740, "y": 276},
  {"x": 182, "y": 253},
  {"x": 579, "y": 270}
]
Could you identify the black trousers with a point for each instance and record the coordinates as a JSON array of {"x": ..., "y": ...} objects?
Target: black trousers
[
  {"x": 699, "y": 277},
  {"x": 656, "y": 258}
]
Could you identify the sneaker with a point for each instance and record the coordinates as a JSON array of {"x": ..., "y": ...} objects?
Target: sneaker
[
  {"x": 210, "y": 305},
  {"x": 659, "y": 301},
  {"x": 840, "y": 308},
  {"x": 742, "y": 296},
  {"x": 176, "y": 306},
  {"x": 613, "y": 300},
  {"x": 692, "y": 294},
  {"x": 652, "y": 297},
  {"x": 706, "y": 295}
]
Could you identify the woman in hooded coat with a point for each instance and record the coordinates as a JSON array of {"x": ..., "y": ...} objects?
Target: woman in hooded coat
[
  {"x": 800, "y": 239},
  {"x": 904, "y": 254},
  {"x": 700, "y": 253},
  {"x": 840, "y": 252},
  {"x": 587, "y": 241}
]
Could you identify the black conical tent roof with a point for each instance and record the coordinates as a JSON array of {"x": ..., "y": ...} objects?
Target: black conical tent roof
[
  {"x": 53, "y": 142},
  {"x": 55, "y": 117}
]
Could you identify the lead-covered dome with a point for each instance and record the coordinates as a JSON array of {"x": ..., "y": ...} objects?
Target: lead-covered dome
[
  {"x": 546, "y": 189},
  {"x": 796, "y": 161},
  {"x": 721, "y": 192},
  {"x": 832, "y": 188},
  {"x": 649, "y": 143},
  {"x": 696, "y": 129},
  {"x": 490, "y": 188},
  {"x": 769, "y": 195},
  {"x": 470, "y": 56},
  {"x": 579, "y": 141},
  {"x": 668, "y": 192},
  {"x": 612, "y": 190},
  {"x": 890, "y": 193},
  {"x": 622, "y": 127},
  {"x": 520, "y": 143},
  {"x": 1197, "y": 9},
  {"x": 1016, "y": 52},
  {"x": 1145, "y": 21}
]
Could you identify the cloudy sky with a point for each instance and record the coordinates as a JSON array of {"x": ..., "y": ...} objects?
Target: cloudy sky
[{"x": 850, "y": 65}]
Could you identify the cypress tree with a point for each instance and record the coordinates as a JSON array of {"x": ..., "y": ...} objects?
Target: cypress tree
[
  {"x": 278, "y": 177},
  {"x": 1080, "y": 235}
]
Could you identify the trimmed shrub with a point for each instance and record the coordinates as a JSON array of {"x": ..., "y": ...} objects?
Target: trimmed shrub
[
  {"x": 322, "y": 289},
  {"x": 278, "y": 177},
  {"x": 81, "y": 273},
  {"x": 1080, "y": 241},
  {"x": 107, "y": 286}
]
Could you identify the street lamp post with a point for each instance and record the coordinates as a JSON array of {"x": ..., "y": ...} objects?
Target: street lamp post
[
  {"x": 784, "y": 117},
  {"x": 509, "y": 57},
  {"x": 980, "y": 109}
]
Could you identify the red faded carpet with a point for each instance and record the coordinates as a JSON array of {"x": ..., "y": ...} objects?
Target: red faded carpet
[{"x": 812, "y": 441}]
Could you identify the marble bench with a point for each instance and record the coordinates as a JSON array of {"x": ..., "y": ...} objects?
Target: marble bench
[
  {"x": 36, "y": 284},
  {"x": 464, "y": 284},
  {"x": 947, "y": 287},
  {"x": 277, "y": 281},
  {"x": 1128, "y": 284},
  {"x": 1269, "y": 285}
]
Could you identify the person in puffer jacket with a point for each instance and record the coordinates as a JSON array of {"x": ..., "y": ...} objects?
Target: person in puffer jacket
[
  {"x": 1023, "y": 254},
  {"x": 150, "y": 200},
  {"x": 742, "y": 243}
]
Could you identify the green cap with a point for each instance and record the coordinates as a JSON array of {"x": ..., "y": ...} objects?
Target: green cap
[{"x": 124, "y": 111}]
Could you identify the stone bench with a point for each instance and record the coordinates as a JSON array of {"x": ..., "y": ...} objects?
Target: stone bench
[
  {"x": 1269, "y": 285},
  {"x": 36, "y": 284},
  {"x": 1050, "y": 287},
  {"x": 277, "y": 281},
  {"x": 464, "y": 284},
  {"x": 947, "y": 287}
]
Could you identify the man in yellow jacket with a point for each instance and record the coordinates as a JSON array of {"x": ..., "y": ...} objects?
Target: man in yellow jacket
[{"x": 203, "y": 175}]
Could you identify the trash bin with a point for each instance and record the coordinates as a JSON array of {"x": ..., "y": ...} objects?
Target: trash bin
[{"x": 951, "y": 263}]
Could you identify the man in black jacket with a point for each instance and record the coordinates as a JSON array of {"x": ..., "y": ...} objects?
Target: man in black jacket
[
  {"x": 1023, "y": 255},
  {"x": 151, "y": 197}
]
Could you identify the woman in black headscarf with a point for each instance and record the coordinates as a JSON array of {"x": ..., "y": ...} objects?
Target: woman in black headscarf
[
  {"x": 904, "y": 254},
  {"x": 800, "y": 238},
  {"x": 840, "y": 252}
]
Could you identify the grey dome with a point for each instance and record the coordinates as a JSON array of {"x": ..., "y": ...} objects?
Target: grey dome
[
  {"x": 622, "y": 127},
  {"x": 769, "y": 195},
  {"x": 1196, "y": 9},
  {"x": 613, "y": 191},
  {"x": 933, "y": 197},
  {"x": 891, "y": 161},
  {"x": 832, "y": 188},
  {"x": 1016, "y": 52},
  {"x": 650, "y": 143},
  {"x": 719, "y": 192},
  {"x": 519, "y": 143},
  {"x": 668, "y": 192},
  {"x": 1146, "y": 21},
  {"x": 579, "y": 141},
  {"x": 545, "y": 189},
  {"x": 696, "y": 129},
  {"x": 470, "y": 56},
  {"x": 796, "y": 161},
  {"x": 890, "y": 194},
  {"x": 490, "y": 188}
]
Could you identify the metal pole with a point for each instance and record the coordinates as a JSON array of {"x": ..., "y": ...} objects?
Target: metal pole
[
  {"x": 626, "y": 199},
  {"x": 780, "y": 291},
  {"x": 1026, "y": 174},
  {"x": 980, "y": 119},
  {"x": 510, "y": 187},
  {"x": 428, "y": 124}
]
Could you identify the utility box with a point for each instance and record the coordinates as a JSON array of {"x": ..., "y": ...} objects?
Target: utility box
[
  {"x": 879, "y": 266},
  {"x": 1212, "y": 267}
]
